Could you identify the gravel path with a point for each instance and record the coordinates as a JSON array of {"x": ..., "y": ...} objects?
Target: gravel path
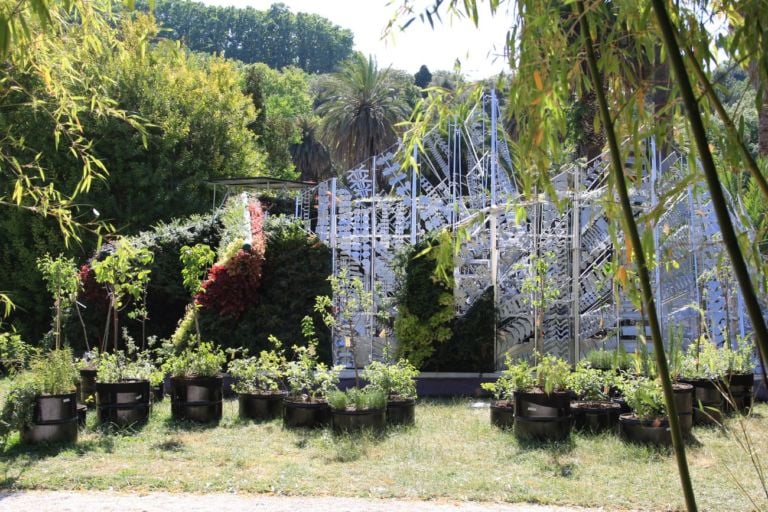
[{"x": 43, "y": 501}]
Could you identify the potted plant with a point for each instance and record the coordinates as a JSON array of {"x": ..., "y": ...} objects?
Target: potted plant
[
  {"x": 740, "y": 376},
  {"x": 593, "y": 409},
  {"x": 87, "y": 366},
  {"x": 41, "y": 402},
  {"x": 309, "y": 382},
  {"x": 196, "y": 382},
  {"x": 123, "y": 385},
  {"x": 648, "y": 422},
  {"x": 357, "y": 409},
  {"x": 705, "y": 368},
  {"x": 398, "y": 383},
  {"x": 259, "y": 383},
  {"x": 513, "y": 377},
  {"x": 543, "y": 402}
]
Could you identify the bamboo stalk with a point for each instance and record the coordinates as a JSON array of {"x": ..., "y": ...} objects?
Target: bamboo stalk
[
  {"x": 642, "y": 268},
  {"x": 713, "y": 183}
]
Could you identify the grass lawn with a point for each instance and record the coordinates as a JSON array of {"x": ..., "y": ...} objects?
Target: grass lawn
[{"x": 452, "y": 452}]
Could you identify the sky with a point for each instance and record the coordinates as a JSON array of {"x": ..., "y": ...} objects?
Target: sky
[{"x": 479, "y": 50}]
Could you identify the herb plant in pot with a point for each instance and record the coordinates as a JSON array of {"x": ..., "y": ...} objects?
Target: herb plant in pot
[
  {"x": 123, "y": 385},
  {"x": 41, "y": 402},
  {"x": 259, "y": 383},
  {"x": 593, "y": 410},
  {"x": 358, "y": 409},
  {"x": 309, "y": 382},
  {"x": 648, "y": 422},
  {"x": 513, "y": 377},
  {"x": 398, "y": 383},
  {"x": 705, "y": 368},
  {"x": 196, "y": 382},
  {"x": 543, "y": 402}
]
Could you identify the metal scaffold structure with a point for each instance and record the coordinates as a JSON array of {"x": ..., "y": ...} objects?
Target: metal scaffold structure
[{"x": 466, "y": 181}]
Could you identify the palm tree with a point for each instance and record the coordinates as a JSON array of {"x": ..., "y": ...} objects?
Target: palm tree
[
  {"x": 310, "y": 156},
  {"x": 359, "y": 107}
]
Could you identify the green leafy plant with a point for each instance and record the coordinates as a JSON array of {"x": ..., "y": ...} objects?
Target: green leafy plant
[
  {"x": 125, "y": 275},
  {"x": 357, "y": 399},
  {"x": 18, "y": 407},
  {"x": 14, "y": 352},
  {"x": 308, "y": 379},
  {"x": 590, "y": 383},
  {"x": 264, "y": 374},
  {"x": 396, "y": 380},
  {"x": 741, "y": 360},
  {"x": 62, "y": 278},
  {"x": 538, "y": 288},
  {"x": 703, "y": 360},
  {"x": 644, "y": 396},
  {"x": 195, "y": 261},
  {"x": 514, "y": 377},
  {"x": 603, "y": 359},
  {"x": 199, "y": 359},
  {"x": 552, "y": 373},
  {"x": 128, "y": 364}
]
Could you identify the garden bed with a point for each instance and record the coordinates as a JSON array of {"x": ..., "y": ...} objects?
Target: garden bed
[{"x": 453, "y": 452}]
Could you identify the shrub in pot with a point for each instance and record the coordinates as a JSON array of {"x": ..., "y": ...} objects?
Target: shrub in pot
[
  {"x": 124, "y": 382},
  {"x": 648, "y": 422},
  {"x": 593, "y": 410},
  {"x": 196, "y": 382},
  {"x": 614, "y": 360},
  {"x": 512, "y": 378},
  {"x": 740, "y": 375},
  {"x": 705, "y": 368},
  {"x": 260, "y": 383},
  {"x": 398, "y": 383},
  {"x": 542, "y": 399},
  {"x": 357, "y": 409},
  {"x": 309, "y": 382},
  {"x": 41, "y": 403}
]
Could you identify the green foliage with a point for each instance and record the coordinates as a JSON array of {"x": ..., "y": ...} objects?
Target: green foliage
[
  {"x": 590, "y": 383},
  {"x": 55, "y": 372},
  {"x": 359, "y": 107},
  {"x": 742, "y": 359},
  {"x": 603, "y": 359},
  {"x": 357, "y": 399},
  {"x": 63, "y": 280},
  {"x": 14, "y": 352},
  {"x": 514, "y": 377},
  {"x": 200, "y": 359},
  {"x": 644, "y": 396},
  {"x": 703, "y": 360},
  {"x": 308, "y": 379},
  {"x": 19, "y": 406},
  {"x": 195, "y": 261},
  {"x": 275, "y": 36},
  {"x": 552, "y": 373},
  {"x": 260, "y": 375},
  {"x": 128, "y": 364},
  {"x": 396, "y": 380}
]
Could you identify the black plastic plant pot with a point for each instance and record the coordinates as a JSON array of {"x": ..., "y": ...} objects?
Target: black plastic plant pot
[
  {"x": 123, "y": 403},
  {"x": 401, "y": 412},
  {"x": 196, "y": 398},
  {"x": 54, "y": 421},
  {"x": 503, "y": 414},
  {"x": 261, "y": 407},
  {"x": 595, "y": 416},
  {"x": 708, "y": 401},
  {"x": 653, "y": 432},
  {"x": 355, "y": 421},
  {"x": 684, "y": 403},
  {"x": 740, "y": 389},
  {"x": 82, "y": 415},
  {"x": 306, "y": 414},
  {"x": 543, "y": 428},
  {"x": 87, "y": 394}
]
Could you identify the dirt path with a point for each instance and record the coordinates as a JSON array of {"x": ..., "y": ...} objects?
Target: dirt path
[{"x": 43, "y": 501}]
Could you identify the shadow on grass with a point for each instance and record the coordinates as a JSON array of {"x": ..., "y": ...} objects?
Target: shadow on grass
[{"x": 174, "y": 425}]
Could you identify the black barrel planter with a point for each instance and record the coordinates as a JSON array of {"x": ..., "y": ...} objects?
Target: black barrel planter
[
  {"x": 684, "y": 404},
  {"x": 503, "y": 414},
  {"x": 654, "y": 431},
  {"x": 55, "y": 420},
  {"x": 595, "y": 415},
  {"x": 261, "y": 407},
  {"x": 196, "y": 398},
  {"x": 123, "y": 403},
  {"x": 306, "y": 414},
  {"x": 708, "y": 401},
  {"x": 401, "y": 412},
  {"x": 542, "y": 417},
  {"x": 355, "y": 421},
  {"x": 740, "y": 389},
  {"x": 87, "y": 387}
]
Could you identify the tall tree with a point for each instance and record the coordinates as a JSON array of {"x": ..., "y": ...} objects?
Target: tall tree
[
  {"x": 359, "y": 108},
  {"x": 310, "y": 155}
]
